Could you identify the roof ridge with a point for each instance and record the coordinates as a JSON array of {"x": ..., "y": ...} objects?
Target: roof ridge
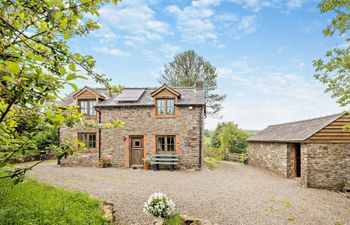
[{"x": 300, "y": 121}]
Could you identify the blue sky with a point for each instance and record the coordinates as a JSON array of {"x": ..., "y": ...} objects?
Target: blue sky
[{"x": 263, "y": 50}]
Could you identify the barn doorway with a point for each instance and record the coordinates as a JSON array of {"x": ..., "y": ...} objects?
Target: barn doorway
[{"x": 296, "y": 154}]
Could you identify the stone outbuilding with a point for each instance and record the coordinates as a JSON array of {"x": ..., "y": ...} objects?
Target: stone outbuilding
[{"x": 316, "y": 150}]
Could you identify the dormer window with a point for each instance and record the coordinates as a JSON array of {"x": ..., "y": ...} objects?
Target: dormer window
[
  {"x": 166, "y": 106},
  {"x": 87, "y": 107}
]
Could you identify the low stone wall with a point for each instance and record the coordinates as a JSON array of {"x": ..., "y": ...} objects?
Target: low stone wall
[
  {"x": 88, "y": 159},
  {"x": 271, "y": 156},
  {"x": 328, "y": 165}
]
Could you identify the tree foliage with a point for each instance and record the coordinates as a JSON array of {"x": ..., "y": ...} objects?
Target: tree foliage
[
  {"x": 229, "y": 136},
  {"x": 35, "y": 64},
  {"x": 333, "y": 70},
  {"x": 186, "y": 70}
]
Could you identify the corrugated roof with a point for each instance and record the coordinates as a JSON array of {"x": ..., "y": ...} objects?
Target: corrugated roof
[
  {"x": 189, "y": 96},
  {"x": 297, "y": 131}
]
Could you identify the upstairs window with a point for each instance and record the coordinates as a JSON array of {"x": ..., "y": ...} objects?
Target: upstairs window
[
  {"x": 89, "y": 139},
  {"x": 166, "y": 106},
  {"x": 87, "y": 107},
  {"x": 165, "y": 143}
]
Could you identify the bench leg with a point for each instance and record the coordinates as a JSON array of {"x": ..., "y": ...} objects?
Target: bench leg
[{"x": 155, "y": 167}]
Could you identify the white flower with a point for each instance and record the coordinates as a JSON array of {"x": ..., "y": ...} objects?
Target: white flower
[{"x": 159, "y": 205}]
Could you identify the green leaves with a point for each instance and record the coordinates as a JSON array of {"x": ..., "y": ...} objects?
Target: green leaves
[
  {"x": 188, "y": 68},
  {"x": 74, "y": 86},
  {"x": 334, "y": 69},
  {"x": 35, "y": 64}
]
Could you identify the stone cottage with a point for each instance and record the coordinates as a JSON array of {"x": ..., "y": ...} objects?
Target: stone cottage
[
  {"x": 317, "y": 150},
  {"x": 164, "y": 120}
]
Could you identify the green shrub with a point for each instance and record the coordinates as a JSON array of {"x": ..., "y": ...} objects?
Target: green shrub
[
  {"x": 31, "y": 202},
  {"x": 174, "y": 220},
  {"x": 105, "y": 163}
]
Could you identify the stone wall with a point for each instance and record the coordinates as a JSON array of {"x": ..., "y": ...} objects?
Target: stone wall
[
  {"x": 87, "y": 157},
  {"x": 140, "y": 122},
  {"x": 328, "y": 165},
  {"x": 271, "y": 156}
]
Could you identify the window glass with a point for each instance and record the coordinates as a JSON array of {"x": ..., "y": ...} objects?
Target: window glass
[
  {"x": 170, "y": 106},
  {"x": 84, "y": 107},
  {"x": 92, "y": 105},
  {"x": 166, "y": 143},
  {"x": 92, "y": 140},
  {"x": 161, "y": 144},
  {"x": 165, "y": 106},
  {"x": 87, "y": 107},
  {"x": 161, "y": 106},
  {"x": 88, "y": 139}
]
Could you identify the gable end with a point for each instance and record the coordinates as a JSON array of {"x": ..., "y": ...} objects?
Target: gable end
[{"x": 333, "y": 132}]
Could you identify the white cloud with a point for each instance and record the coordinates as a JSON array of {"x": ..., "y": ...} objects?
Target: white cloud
[
  {"x": 254, "y": 5},
  {"x": 136, "y": 19},
  {"x": 105, "y": 34},
  {"x": 247, "y": 24},
  {"x": 257, "y": 5},
  {"x": 263, "y": 96},
  {"x": 195, "y": 21},
  {"x": 111, "y": 51},
  {"x": 293, "y": 4},
  {"x": 165, "y": 52}
]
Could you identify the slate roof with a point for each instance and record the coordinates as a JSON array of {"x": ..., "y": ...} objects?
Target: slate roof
[
  {"x": 189, "y": 96},
  {"x": 297, "y": 131}
]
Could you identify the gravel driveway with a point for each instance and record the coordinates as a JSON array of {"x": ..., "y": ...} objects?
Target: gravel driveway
[{"x": 230, "y": 194}]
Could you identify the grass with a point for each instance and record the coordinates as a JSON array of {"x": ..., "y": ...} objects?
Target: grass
[
  {"x": 32, "y": 202},
  {"x": 211, "y": 162},
  {"x": 174, "y": 220}
]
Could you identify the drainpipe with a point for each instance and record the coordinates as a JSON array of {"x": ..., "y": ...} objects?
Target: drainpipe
[
  {"x": 99, "y": 134},
  {"x": 200, "y": 137}
]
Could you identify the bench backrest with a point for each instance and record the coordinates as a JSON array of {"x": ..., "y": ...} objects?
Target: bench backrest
[{"x": 164, "y": 156}]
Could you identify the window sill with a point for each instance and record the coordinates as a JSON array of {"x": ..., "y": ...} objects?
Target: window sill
[{"x": 165, "y": 116}]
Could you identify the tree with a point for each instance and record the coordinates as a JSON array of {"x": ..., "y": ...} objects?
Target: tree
[
  {"x": 186, "y": 70},
  {"x": 334, "y": 69},
  {"x": 229, "y": 136},
  {"x": 232, "y": 138},
  {"x": 35, "y": 64}
]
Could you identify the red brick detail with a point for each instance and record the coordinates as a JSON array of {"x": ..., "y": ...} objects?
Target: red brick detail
[{"x": 127, "y": 151}]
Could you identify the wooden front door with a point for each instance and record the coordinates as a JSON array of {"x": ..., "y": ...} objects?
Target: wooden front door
[{"x": 136, "y": 149}]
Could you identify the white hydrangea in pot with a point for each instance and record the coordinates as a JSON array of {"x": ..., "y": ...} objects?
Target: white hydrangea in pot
[{"x": 159, "y": 205}]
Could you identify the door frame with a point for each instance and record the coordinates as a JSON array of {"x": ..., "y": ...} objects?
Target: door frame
[
  {"x": 130, "y": 147},
  {"x": 296, "y": 160}
]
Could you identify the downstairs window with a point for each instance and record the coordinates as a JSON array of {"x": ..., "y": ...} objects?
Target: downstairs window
[
  {"x": 165, "y": 143},
  {"x": 89, "y": 139}
]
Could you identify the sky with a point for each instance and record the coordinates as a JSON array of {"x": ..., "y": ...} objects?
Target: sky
[{"x": 262, "y": 49}]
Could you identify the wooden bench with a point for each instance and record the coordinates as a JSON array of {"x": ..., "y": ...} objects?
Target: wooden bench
[{"x": 164, "y": 159}]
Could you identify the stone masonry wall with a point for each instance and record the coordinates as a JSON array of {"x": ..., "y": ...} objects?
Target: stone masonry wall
[
  {"x": 84, "y": 157},
  {"x": 271, "y": 156},
  {"x": 140, "y": 122},
  {"x": 328, "y": 165}
]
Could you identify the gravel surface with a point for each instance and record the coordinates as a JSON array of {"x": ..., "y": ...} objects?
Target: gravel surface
[{"x": 230, "y": 194}]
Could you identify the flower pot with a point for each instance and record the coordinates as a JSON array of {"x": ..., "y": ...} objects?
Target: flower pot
[{"x": 146, "y": 166}]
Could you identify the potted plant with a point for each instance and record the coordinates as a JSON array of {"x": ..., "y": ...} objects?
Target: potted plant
[
  {"x": 104, "y": 163},
  {"x": 147, "y": 164}
]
